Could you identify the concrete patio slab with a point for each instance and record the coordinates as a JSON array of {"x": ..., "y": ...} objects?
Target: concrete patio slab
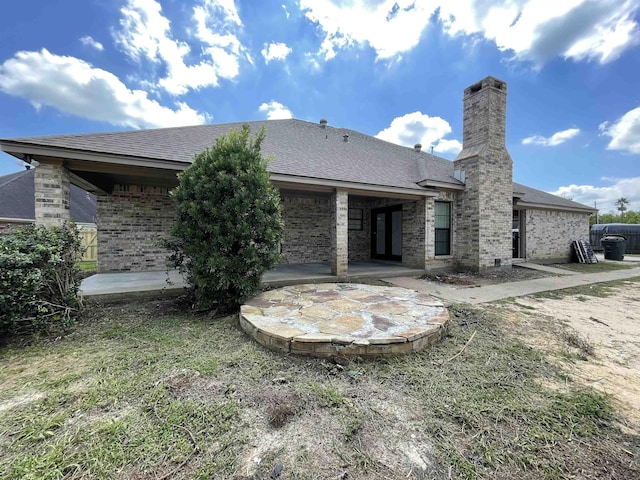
[
  {"x": 344, "y": 319},
  {"x": 123, "y": 285}
]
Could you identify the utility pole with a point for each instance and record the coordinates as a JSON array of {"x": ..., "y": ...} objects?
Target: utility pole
[{"x": 595, "y": 204}]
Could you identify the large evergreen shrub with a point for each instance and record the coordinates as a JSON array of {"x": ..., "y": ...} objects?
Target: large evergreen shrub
[
  {"x": 39, "y": 278},
  {"x": 228, "y": 225}
]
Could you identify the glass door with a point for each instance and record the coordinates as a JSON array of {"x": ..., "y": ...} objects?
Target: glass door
[{"x": 386, "y": 233}]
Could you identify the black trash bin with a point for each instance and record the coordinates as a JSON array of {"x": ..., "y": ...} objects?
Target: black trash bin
[{"x": 614, "y": 246}]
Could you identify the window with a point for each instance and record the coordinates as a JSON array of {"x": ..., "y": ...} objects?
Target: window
[
  {"x": 443, "y": 228},
  {"x": 355, "y": 219}
]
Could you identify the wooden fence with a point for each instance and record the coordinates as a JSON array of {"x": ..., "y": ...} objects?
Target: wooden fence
[{"x": 89, "y": 240}]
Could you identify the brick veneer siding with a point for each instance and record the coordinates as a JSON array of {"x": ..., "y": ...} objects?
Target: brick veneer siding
[
  {"x": 548, "y": 234},
  {"x": 51, "y": 194},
  {"x": 10, "y": 226},
  {"x": 440, "y": 261},
  {"x": 307, "y": 227},
  {"x": 415, "y": 237},
  {"x": 484, "y": 210},
  {"x": 130, "y": 223},
  {"x": 414, "y": 234},
  {"x": 339, "y": 206}
]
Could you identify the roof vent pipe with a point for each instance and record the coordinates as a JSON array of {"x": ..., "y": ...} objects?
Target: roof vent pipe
[
  {"x": 417, "y": 147},
  {"x": 345, "y": 137},
  {"x": 323, "y": 123}
]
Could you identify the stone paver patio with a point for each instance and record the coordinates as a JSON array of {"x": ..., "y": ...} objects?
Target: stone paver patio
[{"x": 329, "y": 319}]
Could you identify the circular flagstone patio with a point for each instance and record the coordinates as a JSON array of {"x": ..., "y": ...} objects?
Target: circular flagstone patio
[{"x": 330, "y": 319}]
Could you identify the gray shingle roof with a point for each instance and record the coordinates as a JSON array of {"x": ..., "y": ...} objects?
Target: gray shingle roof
[
  {"x": 531, "y": 195},
  {"x": 17, "y": 199},
  {"x": 298, "y": 148}
]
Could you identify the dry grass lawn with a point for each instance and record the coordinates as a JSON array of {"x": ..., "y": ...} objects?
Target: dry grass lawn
[{"x": 151, "y": 391}]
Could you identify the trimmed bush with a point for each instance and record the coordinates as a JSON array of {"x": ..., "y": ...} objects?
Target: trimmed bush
[
  {"x": 228, "y": 225},
  {"x": 38, "y": 278}
]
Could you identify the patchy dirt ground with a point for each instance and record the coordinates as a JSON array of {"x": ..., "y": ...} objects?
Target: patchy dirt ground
[
  {"x": 148, "y": 390},
  {"x": 597, "y": 338},
  {"x": 469, "y": 279}
]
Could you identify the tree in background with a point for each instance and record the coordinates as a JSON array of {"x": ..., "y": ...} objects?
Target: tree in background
[
  {"x": 621, "y": 205},
  {"x": 228, "y": 225},
  {"x": 629, "y": 217}
]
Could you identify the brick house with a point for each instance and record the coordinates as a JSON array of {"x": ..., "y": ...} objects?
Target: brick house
[{"x": 346, "y": 196}]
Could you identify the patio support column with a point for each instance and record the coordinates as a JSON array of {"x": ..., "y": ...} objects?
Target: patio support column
[
  {"x": 51, "y": 194},
  {"x": 339, "y": 233}
]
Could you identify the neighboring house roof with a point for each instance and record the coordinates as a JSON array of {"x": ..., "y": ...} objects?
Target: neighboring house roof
[
  {"x": 17, "y": 199},
  {"x": 299, "y": 149}
]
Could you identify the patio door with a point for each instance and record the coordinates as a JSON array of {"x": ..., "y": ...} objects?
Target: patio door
[{"x": 386, "y": 233}]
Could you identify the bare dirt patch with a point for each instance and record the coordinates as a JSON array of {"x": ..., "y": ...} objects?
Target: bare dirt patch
[
  {"x": 609, "y": 325},
  {"x": 471, "y": 279}
]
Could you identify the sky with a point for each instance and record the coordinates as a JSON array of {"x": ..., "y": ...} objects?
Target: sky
[{"x": 395, "y": 69}]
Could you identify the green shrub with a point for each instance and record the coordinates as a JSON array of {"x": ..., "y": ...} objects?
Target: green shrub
[
  {"x": 228, "y": 224},
  {"x": 38, "y": 278}
]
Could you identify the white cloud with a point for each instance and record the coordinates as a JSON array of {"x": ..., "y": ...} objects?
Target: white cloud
[
  {"x": 624, "y": 133},
  {"x": 538, "y": 31},
  {"x": 390, "y": 27},
  {"x": 275, "y": 51},
  {"x": 531, "y": 30},
  {"x": 417, "y": 127},
  {"x": 605, "y": 196},
  {"x": 554, "y": 140},
  {"x": 75, "y": 87},
  {"x": 275, "y": 111},
  {"x": 146, "y": 33},
  {"x": 88, "y": 41}
]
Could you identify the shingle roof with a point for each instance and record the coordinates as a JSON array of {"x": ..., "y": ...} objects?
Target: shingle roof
[
  {"x": 17, "y": 198},
  {"x": 298, "y": 148},
  {"x": 538, "y": 197}
]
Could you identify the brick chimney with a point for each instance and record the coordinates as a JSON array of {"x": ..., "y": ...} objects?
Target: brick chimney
[{"x": 484, "y": 210}]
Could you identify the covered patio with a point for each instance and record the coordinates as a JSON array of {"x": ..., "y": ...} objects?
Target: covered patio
[{"x": 126, "y": 285}]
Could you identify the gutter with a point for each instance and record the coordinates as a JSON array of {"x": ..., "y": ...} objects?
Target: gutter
[{"x": 542, "y": 206}]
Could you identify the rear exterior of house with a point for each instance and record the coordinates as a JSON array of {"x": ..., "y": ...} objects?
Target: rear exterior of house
[{"x": 346, "y": 196}]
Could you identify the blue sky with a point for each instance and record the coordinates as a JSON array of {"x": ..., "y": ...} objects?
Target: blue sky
[{"x": 394, "y": 69}]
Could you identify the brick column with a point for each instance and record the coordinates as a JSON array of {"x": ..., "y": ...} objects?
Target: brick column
[
  {"x": 51, "y": 194},
  {"x": 339, "y": 233},
  {"x": 414, "y": 229}
]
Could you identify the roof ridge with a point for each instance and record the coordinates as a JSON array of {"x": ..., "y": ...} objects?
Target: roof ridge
[{"x": 13, "y": 177}]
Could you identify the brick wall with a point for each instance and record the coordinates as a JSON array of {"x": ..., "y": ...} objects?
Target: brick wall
[
  {"x": 51, "y": 194},
  {"x": 440, "y": 261},
  {"x": 8, "y": 227},
  {"x": 130, "y": 223},
  {"x": 548, "y": 234},
  {"x": 307, "y": 228},
  {"x": 484, "y": 210},
  {"x": 415, "y": 217},
  {"x": 413, "y": 234}
]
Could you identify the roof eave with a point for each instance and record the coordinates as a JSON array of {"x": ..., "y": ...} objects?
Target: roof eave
[
  {"x": 439, "y": 184},
  {"x": 544, "y": 206},
  {"x": 17, "y": 149},
  {"x": 358, "y": 188}
]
